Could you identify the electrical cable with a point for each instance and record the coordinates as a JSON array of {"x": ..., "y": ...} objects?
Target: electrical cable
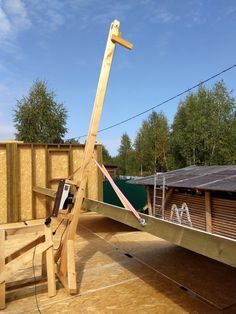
[
  {"x": 55, "y": 249},
  {"x": 160, "y": 104},
  {"x": 54, "y": 232}
]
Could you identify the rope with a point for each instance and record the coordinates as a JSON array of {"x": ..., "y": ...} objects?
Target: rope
[{"x": 121, "y": 196}]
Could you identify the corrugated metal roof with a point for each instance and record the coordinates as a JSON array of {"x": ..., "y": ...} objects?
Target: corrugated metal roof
[{"x": 217, "y": 178}]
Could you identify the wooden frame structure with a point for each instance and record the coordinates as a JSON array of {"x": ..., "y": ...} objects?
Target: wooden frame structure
[
  {"x": 64, "y": 256},
  {"x": 44, "y": 245},
  {"x": 24, "y": 167}
]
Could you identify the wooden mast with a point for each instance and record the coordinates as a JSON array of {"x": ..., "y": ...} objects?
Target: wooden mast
[{"x": 114, "y": 37}]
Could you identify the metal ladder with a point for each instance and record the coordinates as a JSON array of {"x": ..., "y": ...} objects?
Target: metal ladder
[
  {"x": 178, "y": 212},
  {"x": 159, "y": 201}
]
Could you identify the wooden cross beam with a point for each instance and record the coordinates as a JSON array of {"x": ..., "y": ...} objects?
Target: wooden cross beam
[{"x": 68, "y": 277}]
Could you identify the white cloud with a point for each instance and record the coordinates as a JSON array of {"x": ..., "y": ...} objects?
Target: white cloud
[
  {"x": 13, "y": 20},
  {"x": 227, "y": 12},
  {"x": 17, "y": 13},
  {"x": 5, "y": 25},
  {"x": 164, "y": 16},
  {"x": 48, "y": 15}
]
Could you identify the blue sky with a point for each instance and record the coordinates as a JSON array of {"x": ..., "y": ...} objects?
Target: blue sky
[{"x": 176, "y": 45}]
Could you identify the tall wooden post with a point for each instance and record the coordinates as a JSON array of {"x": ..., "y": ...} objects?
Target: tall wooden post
[
  {"x": 208, "y": 211},
  {"x": 113, "y": 38}
]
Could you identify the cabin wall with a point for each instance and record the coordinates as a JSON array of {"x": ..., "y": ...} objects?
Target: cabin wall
[
  {"x": 223, "y": 211},
  {"x": 224, "y": 217},
  {"x": 24, "y": 166},
  {"x": 196, "y": 205}
]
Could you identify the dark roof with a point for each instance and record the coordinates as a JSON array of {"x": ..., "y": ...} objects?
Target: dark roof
[
  {"x": 110, "y": 166},
  {"x": 217, "y": 178}
]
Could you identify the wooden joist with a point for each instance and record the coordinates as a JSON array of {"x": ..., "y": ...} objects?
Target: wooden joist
[
  {"x": 22, "y": 229},
  {"x": 122, "y": 42},
  {"x": 210, "y": 245},
  {"x": 44, "y": 191}
]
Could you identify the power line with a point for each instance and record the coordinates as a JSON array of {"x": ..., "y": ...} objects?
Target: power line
[{"x": 162, "y": 103}]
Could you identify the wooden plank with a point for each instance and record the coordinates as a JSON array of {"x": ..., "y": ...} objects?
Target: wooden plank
[
  {"x": 44, "y": 264},
  {"x": 24, "y": 249},
  {"x": 48, "y": 174},
  {"x": 45, "y": 191},
  {"x": 12, "y": 182},
  {"x": 58, "y": 150},
  {"x": 41, "y": 248},
  {"x": 12, "y": 231},
  {"x": 216, "y": 247},
  {"x": 208, "y": 211},
  {"x": 9, "y": 182},
  {"x": 50, "y": 264},
  {"x": 71, "y": 273},
  {"x": 122, "y": 42},
  {"x": 14, "y": 285},
  {"x": 15, "y": 184},
  {"x": 2, "y": 265},
  {"x": 33, "y": 175},
  {"x": 63, "y": 279}
]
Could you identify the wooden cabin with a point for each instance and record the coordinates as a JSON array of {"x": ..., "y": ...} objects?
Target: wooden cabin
[
  {"x": 209, "y": 191},
  {"x": 112, "y": 170}
]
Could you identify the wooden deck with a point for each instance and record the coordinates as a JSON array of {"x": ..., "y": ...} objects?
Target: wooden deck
[{"x": 123, "y": 270}]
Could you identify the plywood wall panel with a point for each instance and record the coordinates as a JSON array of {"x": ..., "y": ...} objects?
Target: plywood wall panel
[
  {"x": 25, "y": 182},
  {"x": 3, "y": 185},
  {"x": 77, "y": 156},
  {"x": 23, "y": 166},
  {"x": 40, "y": 179}
]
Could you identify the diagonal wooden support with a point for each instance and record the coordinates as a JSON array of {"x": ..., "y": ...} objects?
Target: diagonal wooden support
[{"x": 64, "y": 269}]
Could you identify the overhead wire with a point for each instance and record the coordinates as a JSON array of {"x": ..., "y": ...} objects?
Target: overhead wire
[{"x": 160, "y": 104}]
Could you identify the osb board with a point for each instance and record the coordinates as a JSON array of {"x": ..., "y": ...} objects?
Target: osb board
[
  {"x": 3, "y": 185},
  {"x": 59, "y": 166},
  {"x": 38, "y": 164},
  {"x": 111, "y": 282},
  {"x": 77, "y": 155},
  {"x": 25, "y": 182},
  {"x": 40, "y": 179},
  {"x": 92, "y": 191}
]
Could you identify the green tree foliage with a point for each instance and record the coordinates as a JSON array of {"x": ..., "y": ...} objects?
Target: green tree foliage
[
  {"x": 152, "y": 144},
  {"x": 204, "y": 128},
  {"x": 72, "y": 141},
  {"x": 106, "y": 157},
  {"x": 38, "y": 117},
  {"x": 126, "y": 160}
]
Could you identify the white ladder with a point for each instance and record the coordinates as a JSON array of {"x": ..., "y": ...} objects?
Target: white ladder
[
  {"x": 178, "y": 212},
  {"x": 159, "y": 201}
]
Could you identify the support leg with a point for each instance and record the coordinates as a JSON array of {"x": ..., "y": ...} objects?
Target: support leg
[
  {"x": 72, "y": 285},
  {"x": 50, "y": 264}
]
